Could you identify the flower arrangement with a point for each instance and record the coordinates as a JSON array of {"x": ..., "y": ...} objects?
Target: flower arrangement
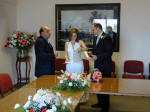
[
  {"x": 21, "y": 41},
  {"x": 97, "y": 76},
  {"x": 72, "y": 82},
  {"x": 44, "y": 101}
]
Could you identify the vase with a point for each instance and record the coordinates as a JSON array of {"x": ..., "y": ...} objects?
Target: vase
[{"x": 22, "y": 53}]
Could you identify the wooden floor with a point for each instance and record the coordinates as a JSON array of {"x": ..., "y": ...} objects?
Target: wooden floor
[{"x": 118, "y": 104}]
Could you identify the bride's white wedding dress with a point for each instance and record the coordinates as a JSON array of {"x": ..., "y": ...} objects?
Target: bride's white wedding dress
[{"x": 75, "y": 63}]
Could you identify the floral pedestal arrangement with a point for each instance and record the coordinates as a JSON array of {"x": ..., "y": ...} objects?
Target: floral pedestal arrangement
[
  {"x": 44, "y": 101},
  {"x": 22, "y": 42},
  {"x": 72, "y": 82}
]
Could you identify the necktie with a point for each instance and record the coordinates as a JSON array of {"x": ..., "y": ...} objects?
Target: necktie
[{"x": 97, "y": 40}]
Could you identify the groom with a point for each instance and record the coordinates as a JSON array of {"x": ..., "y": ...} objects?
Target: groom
[{"x": 102, "y": 52}]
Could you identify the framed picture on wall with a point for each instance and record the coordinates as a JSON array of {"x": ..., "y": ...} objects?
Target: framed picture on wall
[{"x": 81, "y": 16}]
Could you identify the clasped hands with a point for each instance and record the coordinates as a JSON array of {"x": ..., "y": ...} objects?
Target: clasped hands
[{"x": 93, "y": 57}]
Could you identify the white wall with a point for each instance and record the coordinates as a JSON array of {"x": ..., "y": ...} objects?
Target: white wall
[
  {"x": 134, "y": 26},
  {"x": 7, "y": 24}
]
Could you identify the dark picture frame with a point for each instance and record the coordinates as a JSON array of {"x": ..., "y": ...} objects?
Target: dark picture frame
[{"x": 81, "y": 16}]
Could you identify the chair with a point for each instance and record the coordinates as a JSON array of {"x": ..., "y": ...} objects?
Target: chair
[
  {"x": 86, "y": 65},
  {"x": 113, "y": 74},
  {"x": 59, "y": 65},
  {"x": 5, "y": 83},
  {"x": 134, "y": 67}
]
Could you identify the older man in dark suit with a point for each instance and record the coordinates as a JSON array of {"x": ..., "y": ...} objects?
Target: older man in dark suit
[
  {"x": 102, "y": 52},
  {"x": 45, "y": 56}
]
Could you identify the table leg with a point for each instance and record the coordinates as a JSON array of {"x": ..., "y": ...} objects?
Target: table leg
[
  {"x": 26, "y": 72},
  {"x": 77, "y": 108},
  {"x": 29, "y": 71},
  {"x": 17, "y": 73},
  {"x": 20, "y": 74}
]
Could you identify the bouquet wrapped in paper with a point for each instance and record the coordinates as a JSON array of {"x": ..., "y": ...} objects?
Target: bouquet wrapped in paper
[{"x": 96, "y": 76}]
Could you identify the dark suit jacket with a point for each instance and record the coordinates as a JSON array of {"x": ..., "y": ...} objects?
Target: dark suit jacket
[
  {"x": 103, "y": 50},
  {"x": 45, "y": 58}
]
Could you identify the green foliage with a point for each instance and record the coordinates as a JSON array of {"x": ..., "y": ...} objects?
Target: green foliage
[{"x": 76, "y": 86}]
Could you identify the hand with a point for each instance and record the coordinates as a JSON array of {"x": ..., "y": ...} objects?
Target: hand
[
  {"x": 90, "y": 53},
  {"x": 67, "y": 60},
  {"x": 79, "y": 50},
  {"x": 56, "y": 54},
  {"x": 94, "y": 57}
]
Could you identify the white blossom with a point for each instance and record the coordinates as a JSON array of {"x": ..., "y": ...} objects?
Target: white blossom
[
  {"x": 58, "y": 94},
  {"x": 70, "y": 83},
  {"x": 16, "y": 106},
  {"x": 27, "y": 104},
  {"x": 61, "y": 81},
  {"x": 29, "y": 98},
  {"x": 64, "y": 102},
  {"x": 40, "y": 91},
  {"x": 50, "y": 110},
  {"x": 54, "y": 108},
  {"x": 69, "y": 100}
]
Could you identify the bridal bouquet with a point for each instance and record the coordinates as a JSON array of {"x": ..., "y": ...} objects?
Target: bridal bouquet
[
  {"x": 72, "y": 82},
  {"x": 44, "y": 101}
]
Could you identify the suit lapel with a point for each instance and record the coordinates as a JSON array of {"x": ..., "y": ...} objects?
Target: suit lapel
[
  {"x": 48, "y": 44},
  {"x": 99, "y": 41}
]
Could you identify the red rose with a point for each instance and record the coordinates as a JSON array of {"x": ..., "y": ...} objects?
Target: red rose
[
  {"x": 84, "y": 75},
  {"x": 18, "y": 35},
  {"x": 23, "y": 40},
  {"x": 31, "y": 110},
  {"x": 44, "y": 110},
  {"x": 6, "y": 46},
  {"x": 25, "y": 44},
  {"x": 8, "y": 38},
  {"x": 69, "y": 78}
]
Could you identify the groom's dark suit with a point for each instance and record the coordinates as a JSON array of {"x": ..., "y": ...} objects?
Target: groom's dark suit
[
  {"x": 103, "y": 50},
  {"x": 45, "y": 58}
]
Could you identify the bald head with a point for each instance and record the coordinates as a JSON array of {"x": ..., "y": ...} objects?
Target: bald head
[{"x": 45, "y": 31}]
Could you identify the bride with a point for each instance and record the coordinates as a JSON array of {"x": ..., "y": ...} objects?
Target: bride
[{"x": 73, "y": 50}]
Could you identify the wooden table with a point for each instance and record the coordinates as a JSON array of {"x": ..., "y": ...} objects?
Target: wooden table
[
  {"x": 116, "y": 86},
  {"x": 111, "y": 86},
  {"x": 20, "y": 96}
]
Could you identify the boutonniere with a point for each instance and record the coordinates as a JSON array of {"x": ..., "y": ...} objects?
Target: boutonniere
[{"x": 104, "y": 36}]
